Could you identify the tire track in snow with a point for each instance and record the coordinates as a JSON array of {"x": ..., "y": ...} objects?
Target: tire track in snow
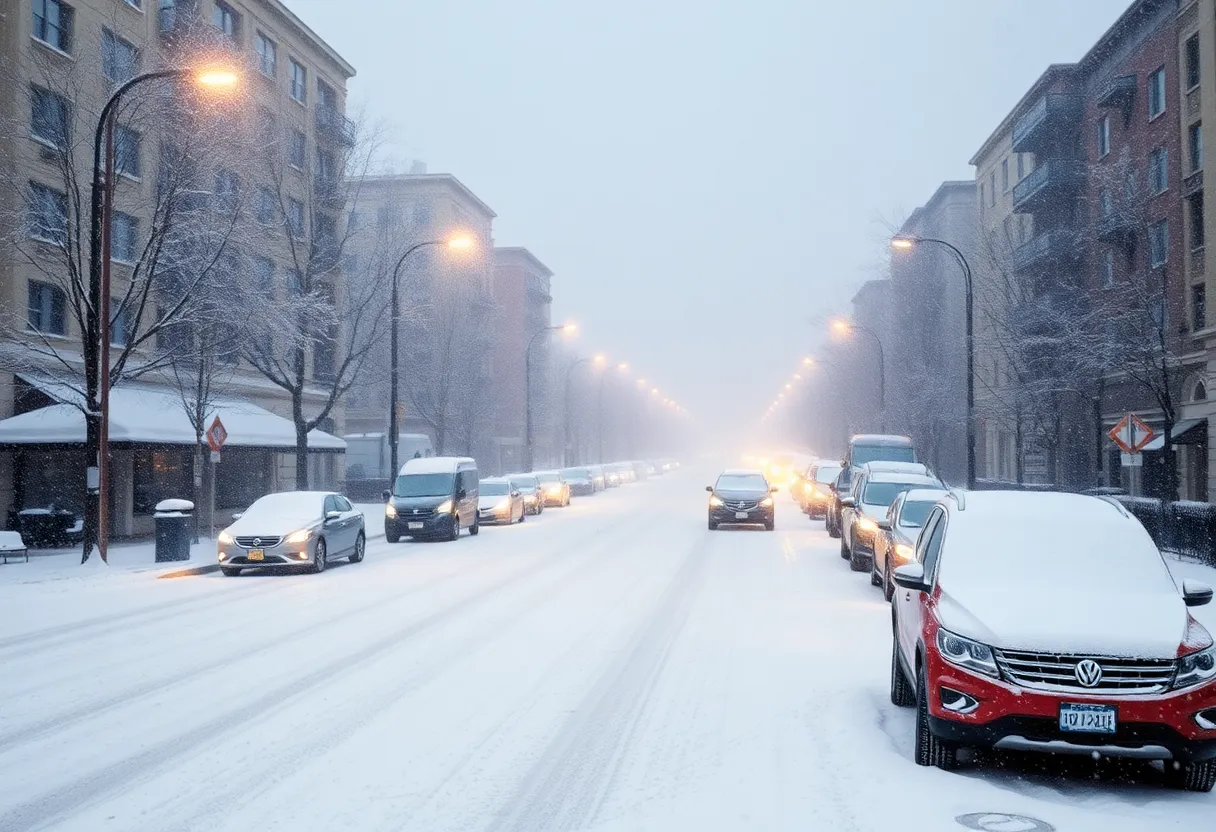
[
  {"x": 567, "y": 785},
  {"x": 114, "y": 776}
]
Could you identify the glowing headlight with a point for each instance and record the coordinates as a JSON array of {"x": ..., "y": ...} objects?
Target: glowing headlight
[
  {"x": 502, "y": 505},
  {"x": 965, "y": 653},
  {"x": 555, "y": 490},
  {"x": 225, "y": 538},
  {"x": 1196, "y": 668},
  {"x": 767, "y": 502},
  {"x": 300, "y": 536},
  {"x": 716, "y": 501},
  {"x": 444, "y": 507},
  {"x": 222, "y": 555},
  {"x": 390, "y": 510},
  {"x": 808, "y": 488},
  {"x": 867, "y": 525},
  {"x": 903, "y": 551}
]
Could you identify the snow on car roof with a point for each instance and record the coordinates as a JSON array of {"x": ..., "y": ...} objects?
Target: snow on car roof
[
  {"x": 880, "y": 439},
  {"x": 294, "y": 500},
  {"x": 892, "y": 465},
  {"x": 434, "y": 464},
  {"x": 924, "y": 495},
  {"x": 742, "y": 472},
  {"x": 904, "y": 477}
]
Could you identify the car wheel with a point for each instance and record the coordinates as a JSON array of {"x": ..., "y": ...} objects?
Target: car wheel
[
  {"x": 1191, "y": 777},
  {"x": 360, "y": 547},
  {"x": 902, "y": 692},
  {"x": 844, "y": 549},
  {"x": 523, "y": 515},
  {"x": 770, "y": 525},
  {"x": 230, "y": 572},
  {"x": 713, "y": 527},
  {"x": 392, "y": 537},
  {"x": 857, "y": 562},
  {"x": 833, "y": 529},
  {"x": 888, "y": 586},
  {"x": 930, "y": 751},
  {"x": 455, "y": 532},
  {"x": 476, "y": 527},
  {"x": 875, "y": 577},
  {"x": 319, "y": 558}
]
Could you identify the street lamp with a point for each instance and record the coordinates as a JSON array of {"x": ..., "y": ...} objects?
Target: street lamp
[
  {"x": 568, "y": 329},
  {"x": 845, "y": 327},
  {"x": 100, "y": 218},
  {"x": 622, "y": 367},
  {"x": 459, "y": 242},
  {"x": 598, "y": 360},
  {"x": 907, "y": 242}
]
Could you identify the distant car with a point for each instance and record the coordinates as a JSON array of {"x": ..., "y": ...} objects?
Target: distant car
[
  {"x": 817, "y": 488},
  {"x": 741, "y": 496},
  {"x": 598, "y": 478},
  {"x": 612, "y": 475},
  {"x": 870, "y": 496},
  {"x": 534, "y": 493},
  {"x": 863, "y": 448},
  {"x": 432, "y": 497},
  {"x": 580, "y": 480},
  {"x": 557, "y": 490},
  {"x": 293, "y": 528},
  {"x": 840, "y": 491},
  {"x": 895, "y": 543},
  {"x": 641, "y": 470},
  {"x": 499, "y": 502},
  {"x": 1050, "y": 623}
]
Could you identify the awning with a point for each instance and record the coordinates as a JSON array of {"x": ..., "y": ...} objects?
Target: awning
[
  {"x": 142, "y": 414},
  {"x": 1186, "y": 432}
]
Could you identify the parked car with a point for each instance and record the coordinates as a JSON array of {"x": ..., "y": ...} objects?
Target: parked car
[
  {"x": 534, "y": 493},
  {"x": 817, "y": 492},
  {"x": 598, "y": 479},
  {"x": 895, "y": 542},
  {"x": 863, "y": 448},
  {"x": 1049, "y": 622},
  {"x": 840, "y": 491},
  {"x": 557, "y": 490},
  {"x": 432, "y": 497},
  {"x": 580, "y": 481},
  {"x": 500, "y": 502},
  {"x": 293, "y": 528},
  {"x": 741, "y": 496},
  {"x": 871, "y": 494},
  {"x": 612, "y": 476},
  {"x": 641, "y": 470}
]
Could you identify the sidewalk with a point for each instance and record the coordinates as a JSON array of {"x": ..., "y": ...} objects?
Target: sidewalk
[{"x": 137, "y": 558}]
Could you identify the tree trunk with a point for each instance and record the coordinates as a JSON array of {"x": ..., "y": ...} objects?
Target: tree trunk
[
  {"x": 441, "y": 435},
  {"x": 92, "y": 448},
  {"x": 297, "y": 414}
]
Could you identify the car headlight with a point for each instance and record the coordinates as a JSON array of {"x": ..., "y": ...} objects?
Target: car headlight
[
  {"x": 390, "y": 510},
  {"x": 224, "y": 538},
  {"x": 903, "y": 551},
  {"x": 300, "y": 536},
  {"x": 1196, "y": 668},
  {"x": 865, "y": 524},
  {"x": 716, "y": 501},
  {"x": 444, "y": 507},
  {"x": 967, "y": 654},
  {"x": 554, "y": 490},
  {"x": 502, "y": 505},
  {"x": 767, "y": 502}
]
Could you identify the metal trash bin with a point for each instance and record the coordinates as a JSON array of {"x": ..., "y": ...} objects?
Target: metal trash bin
[{"x": 174, "y": 530}]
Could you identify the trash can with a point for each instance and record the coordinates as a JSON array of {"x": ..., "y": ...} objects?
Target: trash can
[{"x": 174, "y": 530}]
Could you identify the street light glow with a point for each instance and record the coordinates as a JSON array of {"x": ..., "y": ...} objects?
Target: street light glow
[
  {"x": 623, "y": 366},
  {"x": 903, "y": 242},
  {"x": 808, "y": 362},
  {"x": 797, "y": 377},
  {"x": 569, "y": 328},
  {"x": 460, "y": 242},
  {"x": 217, "y": 78},
  {"x": 841, "y": 326},
  {"x": 600, "y": 359}
]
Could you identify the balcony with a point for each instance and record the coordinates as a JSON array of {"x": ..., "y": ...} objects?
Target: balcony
[
  {"x": 1118, "y": 92},
  {"x": 1051, "y": 247},
  {"x": 329, "y": 191},
  {"x": 1041, "y": 127},
  {"x": 1192, "y": 184},
  {"x": 336, "y": 127},
  {"x": 1119, "y": 226},
  {"x": 1047, "y": 184}
]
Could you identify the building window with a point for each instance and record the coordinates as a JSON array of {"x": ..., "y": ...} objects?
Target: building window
[
  {"x": 226, "y": 19},
  {"x": 124, "y": 230},
  {"x": 48, "y": 214},
  {"x": 1192, "y": 62},
  {"x": 1129, "y": 185},
  {"x": 119, "y": 58},
  {"x": 267, "y": 54},
  {"x": 1158, "y": 243},
  {"x": 295, "y": 218},
  {"x": 326, "y": 97},
  {"x": 1106, "y": 203},
  {"x": 294, "y": 283},
  {"x": 1156, "y": 94},
  {"x": 264, "y": 208},
  {"x": 1158, "y": 170},
  {"x": 263, "y": 275},
  {"x": 1108, "y": 269},
  {"x": 992, "y": 189},
  {"x": 135, "y": 4},
  {"x": 1157, "y": 314},
  {"x": 47, "y": 309},
  {"x": 1194, "y": 146},
  {"x": 1021, "y": 168},
  {"x": 982, "y": 202},
  {"x": 297, "y": 153},
  {"x": 1103, "y": 136},
  {"x": 122, "y": 326},
  {"x": 53, "y": 23},
  {"x": 299, "y": 81},
  {"x": 325, "y": 166},
  {"x": 1199, "y": 307},
  {"x": 1005, "y": 174},
  {"x": 127, "y": 159},
  {"x": 1195, "y": 208},
  {"x": 50, "y": 118},
  {"x": 227, "y": 189},
  {"x": 159, "y": 475}
]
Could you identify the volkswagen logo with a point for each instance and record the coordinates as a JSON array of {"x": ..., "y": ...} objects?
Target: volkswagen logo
[
  {"x": 257, "y": 541},
  {"x": 1088, "y": 673}
]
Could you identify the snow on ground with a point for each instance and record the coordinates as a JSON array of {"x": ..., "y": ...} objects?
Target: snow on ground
[{"x": 609, "y": 666}]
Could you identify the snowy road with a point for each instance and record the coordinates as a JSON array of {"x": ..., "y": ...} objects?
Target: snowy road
[{"x": 609, "y": 666}]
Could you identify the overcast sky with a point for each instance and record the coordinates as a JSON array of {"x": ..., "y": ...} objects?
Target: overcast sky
[{"x": 702, "y": 176}]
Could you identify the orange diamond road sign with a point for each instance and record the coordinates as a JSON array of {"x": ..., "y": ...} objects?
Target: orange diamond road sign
[
  {"x": 1132, "y": 434},
  {"x": 216, "y": 435}
]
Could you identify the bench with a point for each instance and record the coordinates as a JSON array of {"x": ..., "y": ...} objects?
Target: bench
[{"x": 11, "y": 545}]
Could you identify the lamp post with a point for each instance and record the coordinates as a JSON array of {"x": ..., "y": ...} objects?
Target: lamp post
[
  {"x": 528, "y": 449},
  {"x": 910, "y": 243},
  {"x": 458, "y": 242},
  {"x": 624, "y": 368},
  {"x": 569, "y": 386},
  {"x": 101, "y": 211},
  {"x": 845, "y": 327}
]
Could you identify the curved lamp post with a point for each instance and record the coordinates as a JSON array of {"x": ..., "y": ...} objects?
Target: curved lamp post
[
  {"x": 846, "y": 327},
  {"x": 536, "y": 336},
  {"x": 598, "y": 359}
]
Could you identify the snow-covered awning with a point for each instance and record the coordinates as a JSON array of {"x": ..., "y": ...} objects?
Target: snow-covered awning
[
  {"x": 142, "y": 414},
  {"x": 1180, "y": 434}
]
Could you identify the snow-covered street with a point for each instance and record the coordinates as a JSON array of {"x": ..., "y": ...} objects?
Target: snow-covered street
[{"x": 613, "y": 665}]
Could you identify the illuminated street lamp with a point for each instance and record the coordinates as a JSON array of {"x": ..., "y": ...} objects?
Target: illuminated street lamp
[
  {"x": 565, "y": 329},
  {"x": 846, "y": 328}
]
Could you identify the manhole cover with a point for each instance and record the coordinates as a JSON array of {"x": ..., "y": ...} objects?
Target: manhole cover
[{"x": 1001, "y": 822}]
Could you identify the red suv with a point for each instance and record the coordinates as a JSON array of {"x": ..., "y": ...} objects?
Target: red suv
[{"x": 1051, "y": 623}]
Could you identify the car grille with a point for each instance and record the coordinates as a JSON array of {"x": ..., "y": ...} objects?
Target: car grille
[
  {"x": 1057, "y": 672},
  {"x": 270, "y": 559},
  {"x": 258, "y": 542},
  {"x": 741, "y": 505},
  {"x": 416, "y": 513}
]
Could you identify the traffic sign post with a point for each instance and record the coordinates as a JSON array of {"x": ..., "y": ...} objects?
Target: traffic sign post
[
  {"x": 217, "y": 435},
  {"x": 1132, "y": 434}
]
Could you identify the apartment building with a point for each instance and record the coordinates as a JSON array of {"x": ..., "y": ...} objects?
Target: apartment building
[{"x": 60, "y": 61}]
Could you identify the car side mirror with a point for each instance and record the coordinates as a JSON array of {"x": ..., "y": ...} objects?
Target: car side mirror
[
  {"x": 773, "y": 490},
  {"x": 911, "y": 576},
  {"x": 710, "y": 489},
  {"x": 847, "y": 502},
  {"x": 386, "y": 495},
  {"x": 332, "y": 515},
  {"x": 884, "y": 524},
  {"x": 1196, "y": 593},
  {"x": 461, "y": 493},
  {"x": 514, "y": 493},
  {"x": 238, "y": 515}
]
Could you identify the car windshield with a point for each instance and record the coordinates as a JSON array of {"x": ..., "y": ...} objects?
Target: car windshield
[
  {"x": 885, "y": 453},
  {"x": 576, "y": 473},
  {"x": 423, "y": 485},
  {"x": 489, "y": 488},
  {"x": 826, "y": 473},
  {"x": 883, "y": 493},
  {"x": 741, "y": 482},
  {"x": 524, "y": 483},
  {"x": 914, "y": 513}
]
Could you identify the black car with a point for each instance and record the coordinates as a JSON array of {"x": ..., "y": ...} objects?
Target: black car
[
  {"x": 581, "y": 481},
  {"x": 741, "y": 496}
]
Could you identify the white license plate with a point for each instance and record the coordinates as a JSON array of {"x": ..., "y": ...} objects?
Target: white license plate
[
  {"x": 416, "y": 526},
  {"x": 1089, "y": 719},
  {"x": 740, "y": 515}
]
